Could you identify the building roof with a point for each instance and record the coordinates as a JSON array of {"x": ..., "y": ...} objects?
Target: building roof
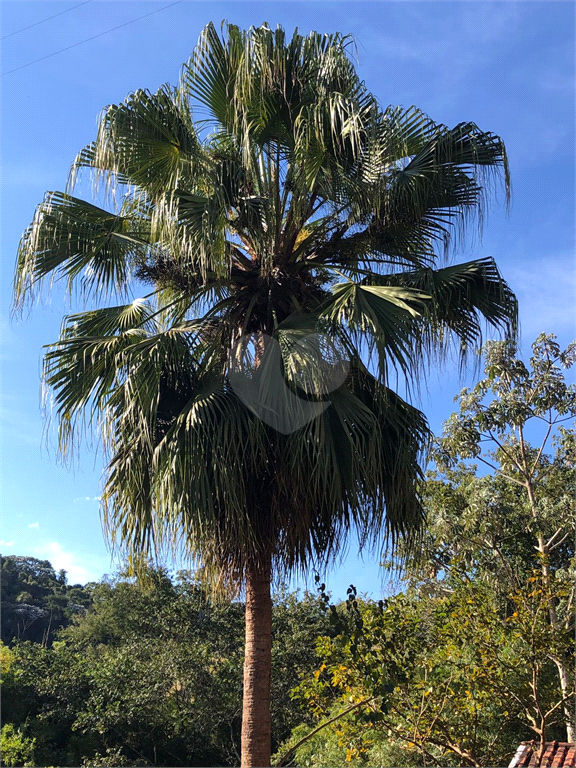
[{"x": 557, "y": 754}]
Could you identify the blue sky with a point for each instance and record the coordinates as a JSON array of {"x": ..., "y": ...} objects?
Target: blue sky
[{"x": 506, "y": 65}]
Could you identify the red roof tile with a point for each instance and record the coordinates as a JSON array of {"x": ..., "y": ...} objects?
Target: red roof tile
[
  {"x": 557, "y": 754},
  {"x": 548, "y": 755}
]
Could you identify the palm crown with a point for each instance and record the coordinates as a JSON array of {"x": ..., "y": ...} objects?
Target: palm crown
[{"x": 294, "y": 206}]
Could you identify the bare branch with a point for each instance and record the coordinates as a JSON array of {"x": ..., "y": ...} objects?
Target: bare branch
[
  {"x": 500, "y": 472},
  {"x": 558, "y": 543},
  {"x": 544, "y": 441},
  {"x": 287, "y": 756}
]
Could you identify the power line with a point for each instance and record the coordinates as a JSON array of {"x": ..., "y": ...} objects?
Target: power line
[
  {"x": 90, "y": 38},
  {"x": 46, "y": 19}
]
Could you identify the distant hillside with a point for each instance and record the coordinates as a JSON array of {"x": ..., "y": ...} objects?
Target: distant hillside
[{"x": 37, "y": 601}]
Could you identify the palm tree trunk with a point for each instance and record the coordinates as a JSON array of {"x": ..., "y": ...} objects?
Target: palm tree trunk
[{"x": 257, "y": 668}]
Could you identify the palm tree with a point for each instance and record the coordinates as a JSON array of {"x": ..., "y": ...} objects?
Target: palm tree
[{"x": 290, "y": 242}]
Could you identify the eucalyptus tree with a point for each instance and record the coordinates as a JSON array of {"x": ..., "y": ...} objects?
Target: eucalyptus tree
[
  {"x": 495, "y": 420},
  {"x": 289, "y": 231}
]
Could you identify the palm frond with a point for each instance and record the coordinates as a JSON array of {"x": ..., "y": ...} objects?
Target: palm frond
[
  {"x": 355, "y": 465},
  {"x": 149, "y": 140},
  {"x": 209, "y": 75},
  {"x": 70, "y": 238},
  {"x": 114, "y": 358},
  {"x": 381, "y": 315},
  {"x": 460, "y": 299}
]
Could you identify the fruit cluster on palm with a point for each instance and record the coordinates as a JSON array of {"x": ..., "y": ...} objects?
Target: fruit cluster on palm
[{"x": 288, "y": 231}]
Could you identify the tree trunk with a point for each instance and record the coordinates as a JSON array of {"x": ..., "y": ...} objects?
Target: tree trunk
[
  {"x": 562, "y": 666},
  {"x": 257, "y": 669},
  {"x": 568, "y": 706}
]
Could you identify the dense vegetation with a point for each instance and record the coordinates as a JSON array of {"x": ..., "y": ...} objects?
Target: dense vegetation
[
  {"x": 151, "y": 674},
  {"x": 37, "y": 601},
  {"x": 458, "y": 668}
]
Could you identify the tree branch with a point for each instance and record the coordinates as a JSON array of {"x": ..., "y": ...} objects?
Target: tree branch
[
  {"x": 287, "y": 756},
  {"x": 500, "y": 472}
]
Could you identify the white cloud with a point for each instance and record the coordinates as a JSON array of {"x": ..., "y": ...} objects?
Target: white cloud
[
  {"x": 6, "y": 543},
  {"x": 87, "y": 498},
  {"x": 33, "y": 525},
  {"x": 546, "y": 291},
  {"x": 79, "y": 569}
]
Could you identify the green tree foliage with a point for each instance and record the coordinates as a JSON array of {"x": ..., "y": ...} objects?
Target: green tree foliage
[
  {"x": 530, "y": 492},
  {"x": 15, "y": 748},
  {"x": 36, "y": 601},
  {"x": 512, "y": 423},
  {"x": 443, "y": 680},
  {"x": 477, "y": 654},
  {"x": 152, "y": 675}
]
